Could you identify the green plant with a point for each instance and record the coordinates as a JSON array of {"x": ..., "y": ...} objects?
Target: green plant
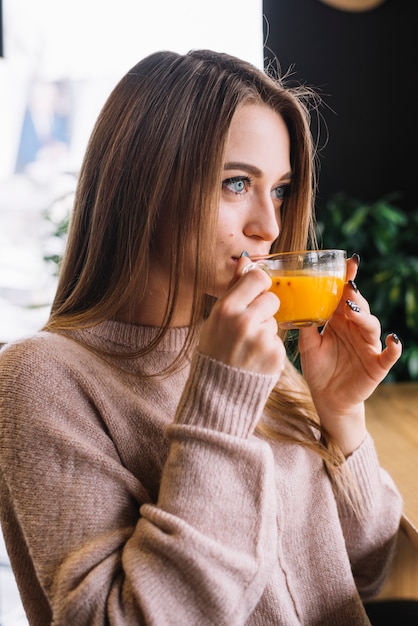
[{"x": 385, "y": 237}]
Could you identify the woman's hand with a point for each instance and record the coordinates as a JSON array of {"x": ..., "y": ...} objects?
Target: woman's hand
[
  {"x": 241, "y": 330},
  {"x": 345, "y": 363}
]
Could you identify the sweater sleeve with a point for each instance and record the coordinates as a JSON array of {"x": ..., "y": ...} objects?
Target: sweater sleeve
[
  {"x": 100, "y": 550},
  {"x": 371, "y": 528}
]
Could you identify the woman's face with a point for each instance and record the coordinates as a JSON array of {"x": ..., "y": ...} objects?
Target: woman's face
[{"x": 256, "y": 179}]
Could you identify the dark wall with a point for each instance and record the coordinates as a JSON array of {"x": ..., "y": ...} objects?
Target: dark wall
[{"x": 365, "y": 67}]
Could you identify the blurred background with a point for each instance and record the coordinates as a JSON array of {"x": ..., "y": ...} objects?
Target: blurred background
[
  {"x": 61, "y": 58},
  {"x": 363, "y": 64}
]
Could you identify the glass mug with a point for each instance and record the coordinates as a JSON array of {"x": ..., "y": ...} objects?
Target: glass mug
[{"x": 308, "y": 283}]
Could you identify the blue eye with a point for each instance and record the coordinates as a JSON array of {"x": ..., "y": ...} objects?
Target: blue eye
[
  {"x": 237, "y": 184},
  {"x": 281, "y": 191}
]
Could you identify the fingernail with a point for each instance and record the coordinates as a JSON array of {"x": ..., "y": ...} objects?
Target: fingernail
[
  {"x": 395, "y": 337},
  {"x": 356, "y": 257},
  {"x": 353, "y": 285},
  {"x": 353, "y": 306},
  {"x": 244, "y": 253}
]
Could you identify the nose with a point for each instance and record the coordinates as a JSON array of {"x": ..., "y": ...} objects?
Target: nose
[{"x": 263, "y": 220}]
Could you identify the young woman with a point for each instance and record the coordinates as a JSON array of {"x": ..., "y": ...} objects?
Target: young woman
[{"x": 162, "y": 462}]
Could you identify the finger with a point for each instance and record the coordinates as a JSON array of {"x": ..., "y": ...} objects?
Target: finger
[
  {"x": 391, "y": 352},
  {"x": 242, "y": 262},
  {"x": 351, "y": 294},
  {"x": 309, "y": 339},
  {"x": 352, "y": 267},
  {"x": 264, "y": 307},
  {"x": 248, "y": 286},
  {"x": 367, "y": 323},
  {"x": 268, "y": 329},
  {"x": 350, "y": 285},
  {"x": 247, "y": 319}
]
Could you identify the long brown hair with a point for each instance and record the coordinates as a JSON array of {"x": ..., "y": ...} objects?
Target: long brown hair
[{"x": 157, "y": 153}]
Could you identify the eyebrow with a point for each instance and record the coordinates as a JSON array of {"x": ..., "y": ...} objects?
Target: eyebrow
[{"x": 252, "y": 169}]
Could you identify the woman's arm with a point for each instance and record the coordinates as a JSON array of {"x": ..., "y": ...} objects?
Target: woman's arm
[
  {"x": 102, "y": 550},
  {"x": 370, "y": 527},
  {"x": 343, "y": 365}
]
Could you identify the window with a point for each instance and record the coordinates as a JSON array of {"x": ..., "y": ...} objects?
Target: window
[{"x": 61, "y": 59}]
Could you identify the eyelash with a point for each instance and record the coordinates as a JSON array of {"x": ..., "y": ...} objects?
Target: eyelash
[
  {"x": 286, "y": 188},
  {"x": 248, "y": 182}
]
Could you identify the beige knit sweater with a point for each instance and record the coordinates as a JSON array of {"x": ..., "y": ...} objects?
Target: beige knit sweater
[{"x": 129, "y": 500}]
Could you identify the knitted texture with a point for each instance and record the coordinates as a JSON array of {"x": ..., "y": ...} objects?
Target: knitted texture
[{"x": 130, "y": 499}]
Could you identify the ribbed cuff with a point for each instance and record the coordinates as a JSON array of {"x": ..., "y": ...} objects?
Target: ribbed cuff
[
  {"x": 364, "y": 470},
  {"x": 223, "y": 398}
]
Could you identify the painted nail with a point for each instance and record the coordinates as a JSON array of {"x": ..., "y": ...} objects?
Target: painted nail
[
  {"x": 353, "y": 285},
  {"x": 356, "y": 257},
  {"x": 353, "y": 306},
  {"x": 395, "y": 337},
  {"x": 244, "y": 253}
]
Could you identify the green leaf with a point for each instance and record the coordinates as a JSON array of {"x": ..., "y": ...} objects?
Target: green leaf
[
  {"x": 411, "y": 307},
  {"x": 394, "y": 293},
  {"x": 412, "y": 364},
  {"x": 390, "y": 214},
  {"x": 352, "y": 225}
]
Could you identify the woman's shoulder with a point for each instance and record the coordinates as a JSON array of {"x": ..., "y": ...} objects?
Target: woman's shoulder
[
  {"x": 41, "y": 343},
  {"x": 47, "y": 372},
  {"x": 38, "y": 356}
]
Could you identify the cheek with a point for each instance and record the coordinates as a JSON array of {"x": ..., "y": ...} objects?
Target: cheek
[
  {"x": 225, "y": 246},
  {"x": 225, "y": 231},
  {"x": 225, "y": 238},
  {"x": 226, "y": 221}
]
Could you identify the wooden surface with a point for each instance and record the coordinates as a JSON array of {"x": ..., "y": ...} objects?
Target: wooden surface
[
  {"x": 392, "y": 420},
  {"x": 402, "y": 582}
]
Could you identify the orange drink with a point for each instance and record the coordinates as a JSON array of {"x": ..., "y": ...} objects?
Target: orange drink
[
  {"x": 306, "y": 300},
  {"x": 308, "y": 284}
]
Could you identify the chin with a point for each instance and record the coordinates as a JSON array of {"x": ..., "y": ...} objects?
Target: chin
[{"x": 222, "y": 282}]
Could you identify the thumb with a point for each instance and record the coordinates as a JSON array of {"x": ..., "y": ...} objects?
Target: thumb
[
  {"x": 309, "y": 339},
  {"x": 243, "y": 261}
]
